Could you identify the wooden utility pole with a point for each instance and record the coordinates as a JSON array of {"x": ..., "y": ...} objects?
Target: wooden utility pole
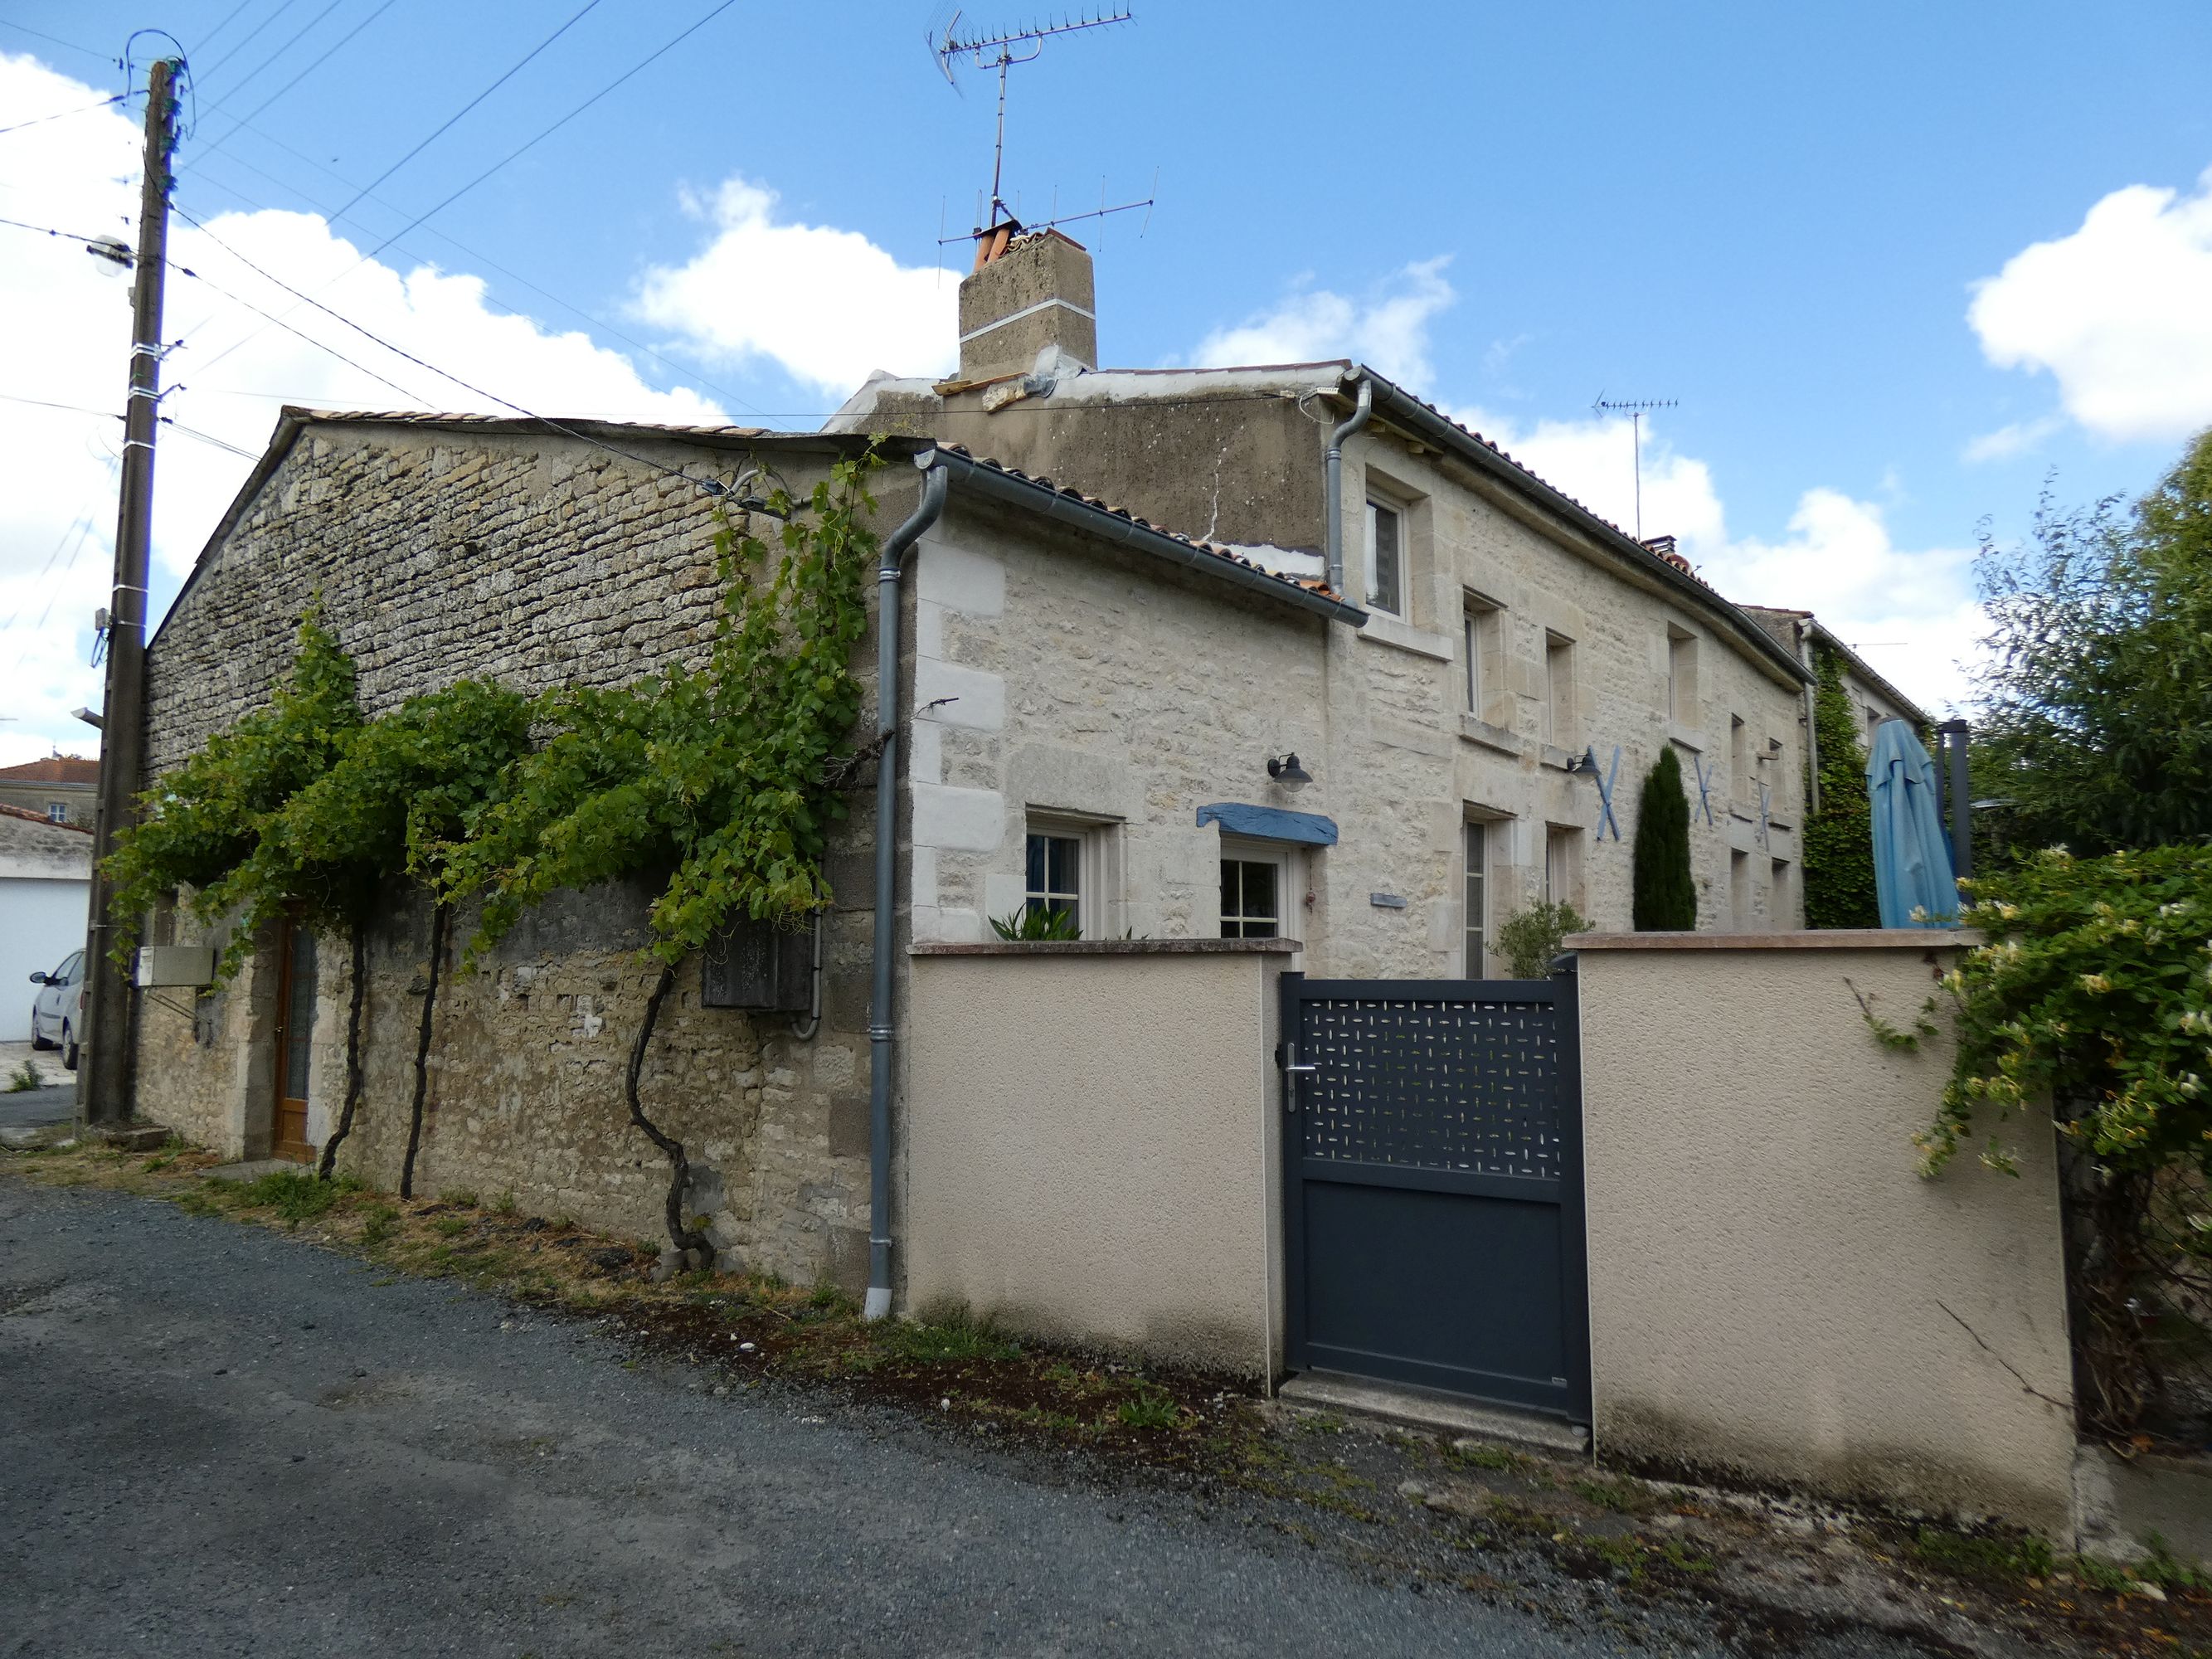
[{"x": 103, "y": 1078}]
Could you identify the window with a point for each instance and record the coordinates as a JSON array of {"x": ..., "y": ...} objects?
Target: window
[
  {"x": 1739, "y": 758},
  {"x": 1251, "y": 898},
  {"x": 1056, "y": 873},
  {"x": 1563, "y": 852},
  {"x": 1386, "y": 558},
  {"x": 1780, "y": 909},
  {"x": 1559, "y": 691},
  {"x": 1485, "y": 652},
  {"x": 1682, "y": 676},
  {"x": 1477, "y": 913},
  {"x": 1740, "y": 917},
  {"x": 56, "y": 811}
]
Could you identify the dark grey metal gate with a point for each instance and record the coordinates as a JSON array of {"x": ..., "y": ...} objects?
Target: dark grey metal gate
[{"x": 1433, "y": 1171}]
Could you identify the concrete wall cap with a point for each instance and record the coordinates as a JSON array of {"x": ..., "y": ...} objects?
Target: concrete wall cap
[
  {"x": 1820, "y": 939},
  {"x": 1107, "y": 947}
]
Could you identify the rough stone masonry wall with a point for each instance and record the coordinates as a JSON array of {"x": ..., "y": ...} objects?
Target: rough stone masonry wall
[{"x": 538, "y": 561}]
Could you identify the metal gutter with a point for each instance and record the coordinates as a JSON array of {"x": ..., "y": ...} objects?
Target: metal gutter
[
  {"x": 996, "y": 484},
  {"x": 1401, "y": 409}
]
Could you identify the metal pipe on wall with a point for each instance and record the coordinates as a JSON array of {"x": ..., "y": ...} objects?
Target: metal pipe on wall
[
  {"x": 882, "y": 1030},
  {"x": 1333, "y": 537}
]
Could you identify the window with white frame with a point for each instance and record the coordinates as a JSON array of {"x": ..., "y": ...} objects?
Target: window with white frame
[
  {"x": 56, "y": 811},
  {"x": 1563, "y": 861},
  {"x": 1682, "y": 676},
  {"x": 1738, "y": 758},
  {"x": 1054, "y": 872},
  {"x": 1475, "y": 901},
  {"x": 1251, "y": 895},
  {"x": 1385, "y": 557}
]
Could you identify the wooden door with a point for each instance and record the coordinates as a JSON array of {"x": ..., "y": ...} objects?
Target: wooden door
[{"x": 295, "y": 1027}]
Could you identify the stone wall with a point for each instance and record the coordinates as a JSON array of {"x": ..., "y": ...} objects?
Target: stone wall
[{"x": 441, "y": 553}]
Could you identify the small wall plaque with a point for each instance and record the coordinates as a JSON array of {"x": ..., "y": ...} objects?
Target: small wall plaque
[{"x": 1386, "y": 901}]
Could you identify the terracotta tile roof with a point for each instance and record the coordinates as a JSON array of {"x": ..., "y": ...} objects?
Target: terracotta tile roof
[
  {"x": 25, "y": 813},
  {"x": 1228, "y": 554},
  {"x": 425, "y": 417},
  {"x": 55, "y": 768}
]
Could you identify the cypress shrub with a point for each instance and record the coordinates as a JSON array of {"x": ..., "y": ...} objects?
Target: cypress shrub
[
  {"x": 1839, "y": 840},
  {"x": 1666, "y": 894}
]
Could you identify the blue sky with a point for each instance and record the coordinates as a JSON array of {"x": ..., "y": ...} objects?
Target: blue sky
[{"x": 1778, "y": 219}]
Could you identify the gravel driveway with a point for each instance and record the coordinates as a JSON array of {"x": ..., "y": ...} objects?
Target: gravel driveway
[{"x": 218, "y": 1441}]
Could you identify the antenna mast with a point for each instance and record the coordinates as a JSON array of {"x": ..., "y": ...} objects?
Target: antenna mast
[
  {"x": 1004, "y": 51},
  {"x": 1636, "y": 410}
]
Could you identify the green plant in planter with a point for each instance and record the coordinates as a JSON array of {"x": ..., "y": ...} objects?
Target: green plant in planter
[
  {"x": 1036, "y": 922},
  {"x": 1530, "y": 938}
]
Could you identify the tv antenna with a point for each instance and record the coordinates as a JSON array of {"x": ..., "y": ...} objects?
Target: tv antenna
[
  {"x": 1635, "y": 410},
  {"x": 1004, "y": 52}
]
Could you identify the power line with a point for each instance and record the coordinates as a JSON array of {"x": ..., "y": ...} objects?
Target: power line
[
  {"x": 342, "y": 41},
  {"x": 251, "y": 35},
  {"x": 74, "y": 409},
  {"x": 445, "y": 124},
  {"x": 48, "y": 230},
  {"x": 275, "y": 55},
  {"x": 84, "y": 109},
  {"x": 634, "y": 69},
  {"x": 705, "y": 486},
  {"x": 643, "y": 63},
  {"x": 318, "y": 344},
  {"x": 25, "y": 28},
  {"x": 485, "y": 259},
  {"x": 229, "y": 17}
]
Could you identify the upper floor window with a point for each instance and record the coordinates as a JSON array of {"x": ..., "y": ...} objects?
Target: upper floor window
[
  {"x": 1385, "y": 557},
  {"x": 1682, "y": 676},
  {"x": 1559, "y": 691},
  {"x": 1739, "y": 756},
  {"x": 1485, "y": 648},
  {"x": 56, "y": 811}
]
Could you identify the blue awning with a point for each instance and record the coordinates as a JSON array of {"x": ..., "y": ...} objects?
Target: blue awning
[{"x": 1269, "y": 823}]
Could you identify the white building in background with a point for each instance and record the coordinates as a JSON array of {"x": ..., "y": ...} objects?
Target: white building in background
[{"x": 46, "y": 897}]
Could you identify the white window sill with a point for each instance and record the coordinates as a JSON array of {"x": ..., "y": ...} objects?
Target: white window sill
[
  {"x": 1550, "y": 755},
  {"x": 1388, "y": 630},
  {"x": 1491, "y": 737},
  {"x": 1685, "y": 737}
]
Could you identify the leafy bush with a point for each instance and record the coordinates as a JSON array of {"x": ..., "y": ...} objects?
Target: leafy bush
[
  {"x": 294, "y": 1194},
  {"x": 1530, "y": 938},
  {"x": 2094, "y": 993}
]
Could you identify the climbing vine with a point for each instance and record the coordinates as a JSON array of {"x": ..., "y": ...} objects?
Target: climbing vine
[
  {"x": 724, "y": 778},
  {"x": 1839, "y": 839}
]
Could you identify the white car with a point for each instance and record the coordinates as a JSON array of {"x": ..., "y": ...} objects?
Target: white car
[{"x": 58, "y": 1009}]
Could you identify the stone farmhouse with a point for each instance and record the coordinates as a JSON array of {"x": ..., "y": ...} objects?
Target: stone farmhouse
[
  {"x": 1137, "y": 679},
  {"x": 61, "y": 789}
]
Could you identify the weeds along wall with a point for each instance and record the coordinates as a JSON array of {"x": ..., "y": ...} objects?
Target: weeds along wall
[{"x": 439, "y": 551}]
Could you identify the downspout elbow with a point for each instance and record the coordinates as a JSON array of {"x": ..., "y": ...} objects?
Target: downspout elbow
[
  {"x": 882, "y": 1029},
  {"x": 1333, "y": 532}
]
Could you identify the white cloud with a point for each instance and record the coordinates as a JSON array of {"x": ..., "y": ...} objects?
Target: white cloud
[
  {"x": 65, "y": 331},
  {"x": 1912, "y": 611},
  {"x": 2016, "y": 439},
  {"x": 2116, "y": 311},
  {"x": 1389, "y": 330},
  {"x": 828, "y": 306}
]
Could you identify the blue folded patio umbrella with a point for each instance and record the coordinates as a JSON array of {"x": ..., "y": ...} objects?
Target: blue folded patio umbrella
[{"x": 1911, "y": 853}]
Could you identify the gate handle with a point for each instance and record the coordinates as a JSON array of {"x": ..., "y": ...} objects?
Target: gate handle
[{"x": 1289, "y": 1061}]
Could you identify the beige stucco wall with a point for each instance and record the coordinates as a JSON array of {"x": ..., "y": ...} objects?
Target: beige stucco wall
[
  {"x": 1775, "y": 1290},
  {"x": 1089, "y": 1146}
]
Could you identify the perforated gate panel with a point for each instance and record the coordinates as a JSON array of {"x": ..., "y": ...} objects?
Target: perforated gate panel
[
  {"x": 1435, "y": 1085},
  {"x": 1432, "y": 1172}
]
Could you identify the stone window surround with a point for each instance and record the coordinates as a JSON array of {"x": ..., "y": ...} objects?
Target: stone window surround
[{"x": 1098, "y": 886}]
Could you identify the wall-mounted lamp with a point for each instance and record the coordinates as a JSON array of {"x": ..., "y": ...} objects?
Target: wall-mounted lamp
[
  {"x": 1286, "y": 771},
  {"x": 1585, "y": 763}
]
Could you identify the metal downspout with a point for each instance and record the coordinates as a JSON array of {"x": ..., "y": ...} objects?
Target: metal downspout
[
  {"x": 881, "y": 1030},
  {"x": 1334, "y": 529}
]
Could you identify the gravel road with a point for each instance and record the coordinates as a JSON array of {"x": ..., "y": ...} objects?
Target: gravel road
[{"x": 218, "y": 1441}]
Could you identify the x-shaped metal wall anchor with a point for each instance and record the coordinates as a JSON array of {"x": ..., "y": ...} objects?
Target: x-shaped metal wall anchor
[
  {"x": 1705, "y": 781},
  {"x": 1604, "y": 797}
]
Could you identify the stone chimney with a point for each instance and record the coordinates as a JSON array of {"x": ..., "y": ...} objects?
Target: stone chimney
[{"x": 1026, "y": 293}]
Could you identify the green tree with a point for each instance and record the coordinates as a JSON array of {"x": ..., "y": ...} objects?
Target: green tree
[
  {"x": 1839, "y": 839},
  {"x": 2096, "y": 720},
  {"x": 1666, "y": 894}
]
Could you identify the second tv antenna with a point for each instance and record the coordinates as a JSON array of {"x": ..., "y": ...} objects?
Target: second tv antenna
[
  {"x": 1003, "y": 52},
  {"x": 1635, "y": 410}
]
